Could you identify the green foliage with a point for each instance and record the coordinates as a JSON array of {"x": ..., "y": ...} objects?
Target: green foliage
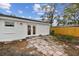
[
  {"x": 51, "y": 32},
  {"x": 66, "y": 38},
  {"x": 71, "y": 11}
]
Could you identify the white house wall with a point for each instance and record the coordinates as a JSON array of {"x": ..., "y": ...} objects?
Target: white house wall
[
  {"x": 42, "y": 29},
  {"x": 11, "y": 33},
  {"x": 20, "y": 31}
]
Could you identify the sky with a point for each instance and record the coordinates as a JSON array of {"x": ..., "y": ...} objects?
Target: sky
[{"x": 27, "y": 10}]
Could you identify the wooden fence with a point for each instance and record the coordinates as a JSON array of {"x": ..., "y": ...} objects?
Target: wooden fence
[{"x": 67, "y": 30}]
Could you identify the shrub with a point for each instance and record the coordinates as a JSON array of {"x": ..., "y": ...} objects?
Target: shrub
[
  {"x": 52, "y": 32},
  {"x": 65, "y": 37}
]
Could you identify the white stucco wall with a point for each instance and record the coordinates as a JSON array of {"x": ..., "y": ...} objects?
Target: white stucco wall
[
  {"x": 42, "y": 29},
  {"x": 20, "y": 31},
  {"x": 11, "y": 33}
]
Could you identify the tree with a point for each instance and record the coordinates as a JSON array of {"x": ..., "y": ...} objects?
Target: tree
[
  {"x": 71, "y": 12},
  {"x": 49, "y": 12}
]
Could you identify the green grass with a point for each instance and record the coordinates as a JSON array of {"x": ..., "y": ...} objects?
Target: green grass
[
  {"x": 64, "y": 37},
  {"x": 67, "y": 38}
]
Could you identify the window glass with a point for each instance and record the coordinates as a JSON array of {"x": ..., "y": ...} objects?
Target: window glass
[
  {"x": 29, "y": 30},
  {"x": 9, "y": 24},
  {"x": 34, "y": 30}
]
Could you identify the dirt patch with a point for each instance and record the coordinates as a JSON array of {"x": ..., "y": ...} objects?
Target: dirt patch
[
  {"x": 38, "y": 46},
  {"x": 72, "y": 49}
]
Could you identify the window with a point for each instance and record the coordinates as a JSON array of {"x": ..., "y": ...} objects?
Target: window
[
  {"x": 29, "y": 30},
  {"x": 9, "y": 24},
  {"x": 34, "y": 30}
]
